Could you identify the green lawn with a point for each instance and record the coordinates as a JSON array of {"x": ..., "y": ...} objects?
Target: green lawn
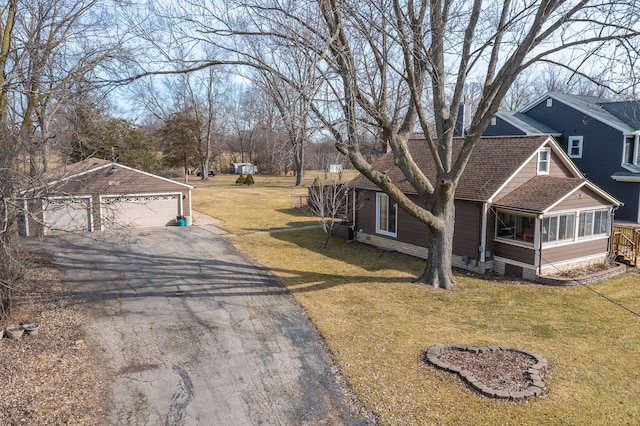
[{"x": 377, "y": 323}]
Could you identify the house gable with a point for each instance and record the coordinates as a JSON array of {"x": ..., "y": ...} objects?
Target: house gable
[{"x": 559, "y": 166}]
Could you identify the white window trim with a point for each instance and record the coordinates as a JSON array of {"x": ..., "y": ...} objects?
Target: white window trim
[
  {"x": 559, "y": 242},
  {"x": 493, "y": 121},
  {"x": 572, "y": 139},
  {"x": 576, "y": 226},
  {"x": 548, "y": 151},
  {"x": 593, "y": 236},
  {"x": 379, "y": 197},
  {"x": 512, "y": 241},
  {"x": 633, "y": 166}
]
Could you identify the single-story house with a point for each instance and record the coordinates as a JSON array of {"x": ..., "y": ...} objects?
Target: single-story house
[
  {"x": 522, "y": 208},
  {"x": 98, "y": 195},
  {"x": 245, "y": 169}
]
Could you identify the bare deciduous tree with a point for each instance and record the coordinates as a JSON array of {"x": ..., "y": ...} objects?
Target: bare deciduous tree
[
  {"x": 403, "y": 66},
  {"x": 431, "y": 48},
  {"x": 327, "y": 200},
  {"x": 45, "y": 47}
]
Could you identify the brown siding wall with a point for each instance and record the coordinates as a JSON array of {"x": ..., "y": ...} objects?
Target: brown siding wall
[
  {"x": 466, "y": 239},
  {"x": 582, "y": 199},
  {"x": 366, "y": 214},
  {"x": 556, "y": 168},
  {"x": 519, "y": 254},
  {"x": 572, "y": 251}
]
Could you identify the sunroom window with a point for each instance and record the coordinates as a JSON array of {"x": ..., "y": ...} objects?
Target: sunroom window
[
  {"x": 558, "y": 228},
  {"x": 387, "y": 214},
  {"x": 593, "y": 223},
  {"x": 515, "y": 227}
]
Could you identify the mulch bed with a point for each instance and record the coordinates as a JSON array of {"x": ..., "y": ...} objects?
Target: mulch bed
[{"x": 53, "y": 377}]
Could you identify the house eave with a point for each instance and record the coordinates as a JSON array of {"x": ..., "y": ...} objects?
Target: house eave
[{"x": 633, "y": 179}]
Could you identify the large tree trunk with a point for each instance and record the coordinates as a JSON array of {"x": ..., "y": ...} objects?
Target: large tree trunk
[{"x": 438, "y": 271}]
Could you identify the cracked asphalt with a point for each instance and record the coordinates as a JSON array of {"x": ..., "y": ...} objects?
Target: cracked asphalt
[{"x": 197, "y": 335}]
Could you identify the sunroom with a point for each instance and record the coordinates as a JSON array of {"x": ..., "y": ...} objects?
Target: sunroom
[{"x": 565, "y": 231}]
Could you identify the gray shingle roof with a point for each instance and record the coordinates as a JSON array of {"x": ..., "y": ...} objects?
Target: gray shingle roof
[
  {"x": 493, "y": 161},
  {"x": 526, "y": 123},
  {"x": 74, "y": 169},
  {"x": 539, "y": 193},
  {"x": 628, "y": 112}
]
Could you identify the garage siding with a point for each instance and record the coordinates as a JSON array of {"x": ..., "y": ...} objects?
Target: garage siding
[{"x": 143, "y": 199}]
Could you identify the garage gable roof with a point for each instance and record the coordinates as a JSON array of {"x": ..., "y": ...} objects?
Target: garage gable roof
[{"x": 90, "y": 165}]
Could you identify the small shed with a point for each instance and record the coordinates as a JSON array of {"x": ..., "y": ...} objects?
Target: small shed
[
  {"x": 98, "y": 195},
  {"x": 245, "y": 169}
]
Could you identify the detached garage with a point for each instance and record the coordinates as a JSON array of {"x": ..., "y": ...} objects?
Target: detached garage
[{"x": 98, "y": 195}]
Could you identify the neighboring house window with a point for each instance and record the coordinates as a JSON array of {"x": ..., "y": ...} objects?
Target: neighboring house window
[
  {"x": 593, "y": 223},
  {"x": 493, "y": 121},
  {"x": 544, "y": 158},
  {"x": 387, "y": 215},
  {"x": 575, "y": 146},
  {"x": 549, "y": 102},
  {"x": 515, "y": 227},
  {"x": 630, "y": 150},
  {"x": 558, "y": 228}
]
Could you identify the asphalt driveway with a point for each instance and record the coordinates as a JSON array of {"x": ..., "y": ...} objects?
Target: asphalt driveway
[{"x": 197, "y": 335}]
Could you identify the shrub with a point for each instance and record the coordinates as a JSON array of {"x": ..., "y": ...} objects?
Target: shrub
[
  {"x": 316, "y": 182},
  {"x": 240, "y": 180},
  {"x": 248, "y": 180}
]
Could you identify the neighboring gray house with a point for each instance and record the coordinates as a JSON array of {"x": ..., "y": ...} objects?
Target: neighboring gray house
[
  {"x": 522, "y": 209},
  {"x": 601, "y": 138}
]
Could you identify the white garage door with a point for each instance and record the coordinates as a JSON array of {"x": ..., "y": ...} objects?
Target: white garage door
[
  {"x": 67, "y": 215},
  {"x": 139, "y": 211}
]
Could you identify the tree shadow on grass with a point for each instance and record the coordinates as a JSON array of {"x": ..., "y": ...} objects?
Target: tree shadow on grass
[{"x": 358, "y": 255}]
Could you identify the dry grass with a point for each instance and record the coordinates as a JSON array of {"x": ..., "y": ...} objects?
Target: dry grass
[
  {"x": 263, "y": 206},
  {"x": 377, "y": 323}
]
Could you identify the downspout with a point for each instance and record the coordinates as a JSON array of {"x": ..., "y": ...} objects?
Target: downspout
[
  {"x": 537, "y": 243},
  {"x": 483, "y": 237}
]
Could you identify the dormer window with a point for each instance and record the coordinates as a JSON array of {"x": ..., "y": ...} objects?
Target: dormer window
[{"x": 544, "y": 160}]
